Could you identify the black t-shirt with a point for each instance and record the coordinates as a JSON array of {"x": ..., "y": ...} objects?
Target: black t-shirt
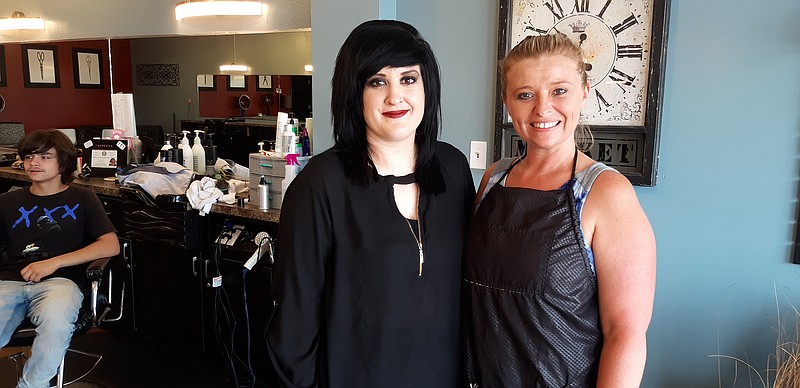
[{"x": 35, "y": 228}]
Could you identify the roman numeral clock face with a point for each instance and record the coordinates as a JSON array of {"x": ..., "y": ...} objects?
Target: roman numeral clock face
[{"x": 614, "y": 36}]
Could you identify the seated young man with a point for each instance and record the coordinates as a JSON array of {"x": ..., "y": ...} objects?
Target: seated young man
[{"x": 50, "y": 231}]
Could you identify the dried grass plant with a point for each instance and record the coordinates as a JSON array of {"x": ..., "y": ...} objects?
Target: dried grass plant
[{"x": 784, "y": 364}]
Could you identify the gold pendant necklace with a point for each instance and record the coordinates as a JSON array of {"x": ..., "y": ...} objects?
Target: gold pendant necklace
[{"x": 418, "y": 240}]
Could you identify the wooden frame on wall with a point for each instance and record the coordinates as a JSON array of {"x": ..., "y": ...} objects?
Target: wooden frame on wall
[
  {"x": 206, "y": 82},
  {"x": 40, "y": 66},
  {"x": 87, "y": 68},
  {"x": 237, "y": 82},
  {"x": 263, "y": 83}
]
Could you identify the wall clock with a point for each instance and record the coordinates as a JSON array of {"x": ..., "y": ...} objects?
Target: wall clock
[{"x": 624, "y": 45}]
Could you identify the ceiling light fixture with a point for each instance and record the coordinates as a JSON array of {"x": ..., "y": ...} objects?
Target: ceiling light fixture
[
  {"x": 233, "y": 67},
  {"x": 193, "y": 8},
  {"x": 18, "y": 21}
]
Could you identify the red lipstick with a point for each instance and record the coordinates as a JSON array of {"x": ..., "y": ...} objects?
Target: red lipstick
[{"x": 395, "y": 114}]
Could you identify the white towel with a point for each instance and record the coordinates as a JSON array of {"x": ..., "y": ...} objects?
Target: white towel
[{"x": 203, "y": 194}]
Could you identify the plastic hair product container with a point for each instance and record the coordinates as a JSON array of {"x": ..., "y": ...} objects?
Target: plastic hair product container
[{"x": 263, "y": 194}]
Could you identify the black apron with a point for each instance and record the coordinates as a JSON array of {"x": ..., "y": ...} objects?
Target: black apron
[{"x": 531, "y": 295}]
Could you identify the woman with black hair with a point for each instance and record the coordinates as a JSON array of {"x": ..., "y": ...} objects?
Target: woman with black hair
[{"x": 367, "y": 274}]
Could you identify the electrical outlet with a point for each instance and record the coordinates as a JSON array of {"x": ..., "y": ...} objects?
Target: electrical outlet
[{"x": 477, "y": 155}]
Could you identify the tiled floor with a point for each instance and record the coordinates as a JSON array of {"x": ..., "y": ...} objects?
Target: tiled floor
[{"x": 129, "y": 363}]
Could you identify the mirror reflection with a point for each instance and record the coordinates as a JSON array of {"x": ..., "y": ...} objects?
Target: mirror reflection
[
  {"x": 221, "y": 95},
  {"x": 280, "y": 56},
  {"x": 162, "y": 74}
]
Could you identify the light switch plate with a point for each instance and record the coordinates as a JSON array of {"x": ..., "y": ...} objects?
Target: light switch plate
[{"x": 477, "y": 155}]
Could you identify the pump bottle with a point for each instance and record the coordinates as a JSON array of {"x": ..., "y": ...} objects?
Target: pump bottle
[
  {"x": 164, "y": 155},
  {"x": 198, "y": 153},
  {"x": 289, "y": 140},
  {"x": 211, "y": 151},
  {"x": 188, "y": 159},
  {"x": 283, "y": 119}
]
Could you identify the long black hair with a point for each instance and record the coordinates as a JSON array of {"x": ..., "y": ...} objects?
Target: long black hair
[{"x": 370, "y": 47}]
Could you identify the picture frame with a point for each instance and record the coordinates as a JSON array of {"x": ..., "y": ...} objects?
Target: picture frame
[
  {"x": 87, "y": 68},
  {"x": 40, "y": 66},
  {"x": 237, "y": 82},
  {"x": 206, "y": 82},
  {"x": 3, "y": 79},
  {"x": 630, "y": 141},
  {"x": 105, "y": 156},
  {"x": 263, "y": 83}
]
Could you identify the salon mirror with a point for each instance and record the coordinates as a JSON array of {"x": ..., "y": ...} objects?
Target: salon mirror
[
  {"x": 161, "y": 72},
  {"x": 244, "y": 103}
]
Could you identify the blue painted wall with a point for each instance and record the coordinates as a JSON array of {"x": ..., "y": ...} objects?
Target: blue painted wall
[{"x": 725, "y": 205}]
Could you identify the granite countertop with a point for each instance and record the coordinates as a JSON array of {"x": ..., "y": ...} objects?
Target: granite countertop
[
  {"x": 111, "y": 188},
  {"x": 247, "y": 211}
]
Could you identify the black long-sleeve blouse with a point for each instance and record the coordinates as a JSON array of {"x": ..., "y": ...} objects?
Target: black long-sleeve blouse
[{"x": 351, "y": 309}]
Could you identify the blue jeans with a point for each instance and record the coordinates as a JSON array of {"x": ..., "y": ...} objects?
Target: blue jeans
[{"x": 52, "y": 305}]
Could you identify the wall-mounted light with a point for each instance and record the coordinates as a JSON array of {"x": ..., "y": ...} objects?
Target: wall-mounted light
[
  {"x": 309, "y": 68},
  {"x": 233, "y": 67},
  {"x": 192, "y": 8},
  {"x": 18, "y": 21}
]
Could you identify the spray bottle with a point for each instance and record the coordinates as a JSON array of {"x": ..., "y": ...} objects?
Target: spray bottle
[
  {"x": 291, "y": 167},
  {"x": 188, "y": 160},
  {"x": 198, "y": 153},
  {"x": 298, "y": 145},
  {"x": 305, "y": 142}
]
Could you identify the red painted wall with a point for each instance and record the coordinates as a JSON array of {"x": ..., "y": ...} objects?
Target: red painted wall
[
  {"x": 224, "y": 103},
  {"x": 122, "y": 66},
  {"x": 66, "y": 106}
]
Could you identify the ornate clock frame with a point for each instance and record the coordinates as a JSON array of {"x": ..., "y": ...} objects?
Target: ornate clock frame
[{"x": 632, "y": 150}]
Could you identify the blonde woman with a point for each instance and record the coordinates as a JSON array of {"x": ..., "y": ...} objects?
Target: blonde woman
[{"x": 560, "y": 257}]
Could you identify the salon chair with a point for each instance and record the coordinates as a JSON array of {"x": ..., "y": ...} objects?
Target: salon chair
[{"x": 96, "y": 306}]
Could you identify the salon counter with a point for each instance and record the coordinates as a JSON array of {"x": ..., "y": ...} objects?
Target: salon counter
[
  {"x": 170, "y": 253},
  {"x": 12, "y": 177}
]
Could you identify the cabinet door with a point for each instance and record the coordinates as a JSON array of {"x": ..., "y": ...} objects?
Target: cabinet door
[
  {"x": 228, "y": 321},
  {"x": 122, "y": 298},
  {"x": 114, "y": 209},
  {"x": 168, "y": 295},
  {"x": 225, "y": 301}
]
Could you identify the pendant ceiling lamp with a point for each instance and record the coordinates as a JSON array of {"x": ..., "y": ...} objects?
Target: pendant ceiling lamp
[
  {"x": 233, "y": 67},
  {"x": 195, "y": 8},
  {"x": 18, "y": 21}
]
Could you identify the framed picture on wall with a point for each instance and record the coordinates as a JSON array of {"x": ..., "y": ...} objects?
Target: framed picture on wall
[
  {"x": 237, "y": 82},
  {"x": 87, "y": 67},
  {"x": 40, "y": 66},
  {"x": 205, "y": 82},
  {"x": 264, "y": 83},
  {"x": 3, "y": 80}
]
